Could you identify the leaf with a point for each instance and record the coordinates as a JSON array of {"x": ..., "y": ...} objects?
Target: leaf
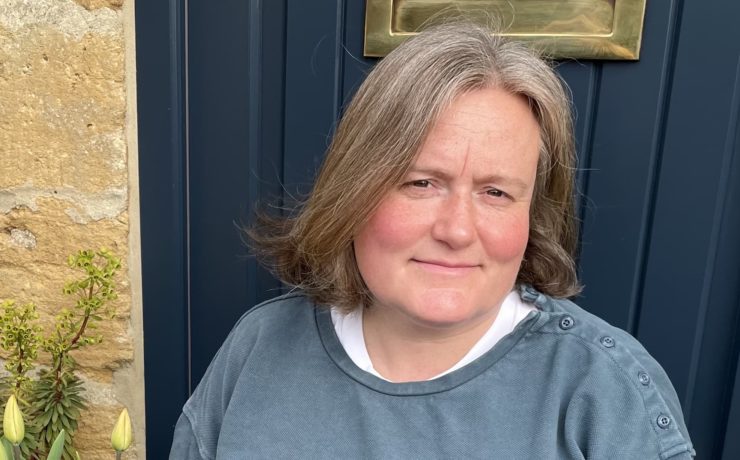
[
  {"x": 55, "y": 453},
  {"x": 74, "y": 413},
  {"x": 44, "y": 419},
  {"x": 65, "y": 422},
  {"x": 7, "y": 448}
]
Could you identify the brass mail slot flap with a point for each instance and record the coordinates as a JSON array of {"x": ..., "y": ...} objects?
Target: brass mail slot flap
[{"x": 580, "y": 29}]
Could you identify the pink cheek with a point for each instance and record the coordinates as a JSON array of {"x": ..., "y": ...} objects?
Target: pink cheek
[
  {"x": 507, "y": 241},
  {"x": 386, "y": 243},
  {"x": 393, "y": 226}
]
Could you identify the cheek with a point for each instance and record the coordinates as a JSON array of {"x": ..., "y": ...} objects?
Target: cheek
[
  {"x": 384, "y": 244},
  {"x": 393, "y": 227},
  {"x": 506, "y": 240}
]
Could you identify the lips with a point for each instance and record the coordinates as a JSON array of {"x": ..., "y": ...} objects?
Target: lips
[{"x": 445, "y": 267}]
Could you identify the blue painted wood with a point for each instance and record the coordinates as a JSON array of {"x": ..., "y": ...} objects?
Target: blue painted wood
[
  {"x": 731, "y": 447},
  {"x": 681, "y": 287},
  {"x": 220, "y": 91},
  {"x": 266, "y": 157},
  {"x": 235, "y": 88},
  {"x": 627, "y": 133},
  {"x": 584, "y": 81},
  {"x": 715, "y": 399},
  {"x": 163, "y": 216},
  {"x": 311, "y": 88},
  {"x": 698, "y": 260},
  {"x": 722, "y": 343},
  {"x": 356, "y": 66},
  {"x": 658, "y": 165}
]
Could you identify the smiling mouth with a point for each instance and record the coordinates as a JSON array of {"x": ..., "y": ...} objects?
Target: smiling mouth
[{"x": 443, "y": 267}]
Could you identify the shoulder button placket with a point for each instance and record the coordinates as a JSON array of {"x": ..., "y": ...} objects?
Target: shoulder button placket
[
  {"x": 567, "y": 322},
  {"x": 607, "y": 341}
]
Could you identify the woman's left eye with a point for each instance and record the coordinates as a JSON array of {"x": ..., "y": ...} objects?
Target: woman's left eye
[{"x": 495, "y": 193}]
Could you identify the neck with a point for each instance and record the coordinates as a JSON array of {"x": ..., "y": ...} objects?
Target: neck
[{"x": 404, "y": 351}]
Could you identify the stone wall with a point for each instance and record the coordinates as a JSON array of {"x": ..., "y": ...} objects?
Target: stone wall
[{"x": 68, "y": 182}]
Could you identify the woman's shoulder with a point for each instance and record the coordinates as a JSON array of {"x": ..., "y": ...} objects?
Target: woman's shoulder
[
  {"x": 609, "y": 367},
  {"x": 260, "y": 335},
  {"x": 269, "y": 325},
  {"x": 571, "y": 326},
  {"x": 265, "y": 325},
  {"x": 275, "y": 313}
]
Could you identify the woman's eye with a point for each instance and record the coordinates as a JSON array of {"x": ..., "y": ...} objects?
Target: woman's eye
[
  {"x": 495, "y": 193},
  {"x": 420, "y": 183}
]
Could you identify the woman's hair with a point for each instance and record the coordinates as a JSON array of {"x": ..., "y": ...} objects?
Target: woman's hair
[{"x": 376, "y": 143}]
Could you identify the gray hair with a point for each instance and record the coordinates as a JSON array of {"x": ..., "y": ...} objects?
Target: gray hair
[{"x": 378, "y": 139}]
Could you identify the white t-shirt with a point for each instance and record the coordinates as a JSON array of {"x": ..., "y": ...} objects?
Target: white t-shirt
[{"x": 349, "y": 331}]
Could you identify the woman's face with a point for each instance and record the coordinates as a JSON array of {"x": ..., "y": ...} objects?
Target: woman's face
[{"x": 444, "y": 247}]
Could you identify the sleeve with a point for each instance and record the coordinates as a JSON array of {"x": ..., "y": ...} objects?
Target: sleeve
[
  {"x": 627, "y": 408},
  {"x": 184, "y": 444},
  {"x": 198, "y": 430}
]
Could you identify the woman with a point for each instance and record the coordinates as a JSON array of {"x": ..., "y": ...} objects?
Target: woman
[{"x": 431, "y": 265}]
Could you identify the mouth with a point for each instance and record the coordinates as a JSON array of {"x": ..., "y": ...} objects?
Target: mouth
[{"x": 445, "y": 267}]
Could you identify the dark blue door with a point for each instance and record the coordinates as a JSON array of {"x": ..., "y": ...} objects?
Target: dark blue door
[{"x": 237, "y": 100}]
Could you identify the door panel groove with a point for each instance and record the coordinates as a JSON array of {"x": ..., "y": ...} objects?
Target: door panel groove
[
  {"x": 587, "y": 144},
  {"x": 654, "y": 167},
  {"x": 728, "y": 156}
]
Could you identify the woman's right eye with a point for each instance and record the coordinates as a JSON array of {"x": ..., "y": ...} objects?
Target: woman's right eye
[{"x": 423, "y": 183}]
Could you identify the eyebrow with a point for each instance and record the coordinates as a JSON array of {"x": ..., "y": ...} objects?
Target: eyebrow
[{"x": 507, "y": 181}]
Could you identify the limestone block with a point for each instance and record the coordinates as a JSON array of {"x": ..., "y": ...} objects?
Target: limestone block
[
  {"x": 56, "y": 236},
  {"x": 95, "y": 4},
  {"x": 62, "y": 100}
]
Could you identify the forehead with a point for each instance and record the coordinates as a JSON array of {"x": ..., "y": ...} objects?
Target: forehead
[{"x": 487, "y": 128}]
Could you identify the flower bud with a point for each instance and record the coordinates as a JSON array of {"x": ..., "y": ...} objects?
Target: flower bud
[
  {"x": 13, "y": 427},
  {"x": 121, "y": 438}
]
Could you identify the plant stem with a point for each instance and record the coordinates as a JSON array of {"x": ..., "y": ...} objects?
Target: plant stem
[
  {"x": 75, "y": 339},
  {"x": 16, "y": 452},
  {"x": 19, "y": 369},
  {"x": 118, "y": 455},
  {"x": 80, "y": 332},
  {"x": 77, "y": 336}
]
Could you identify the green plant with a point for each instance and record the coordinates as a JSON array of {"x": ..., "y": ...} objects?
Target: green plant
[
  {"x": 20, "y": 334},
  {"x": 14, "y": 427},
  {"x": 54, "y": 400}
]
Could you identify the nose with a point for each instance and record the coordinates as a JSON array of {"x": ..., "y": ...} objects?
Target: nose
[{"x": 454, "y": 223}]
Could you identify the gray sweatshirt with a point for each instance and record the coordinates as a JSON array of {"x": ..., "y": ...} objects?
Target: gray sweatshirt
[{"x": 564, "y": 384}]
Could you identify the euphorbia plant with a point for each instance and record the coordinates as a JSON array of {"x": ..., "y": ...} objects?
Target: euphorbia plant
[{"x": 54, "y": 401}]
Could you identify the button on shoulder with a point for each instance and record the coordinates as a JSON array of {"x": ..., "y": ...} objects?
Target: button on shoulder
[{"x": 613, "y": 363}]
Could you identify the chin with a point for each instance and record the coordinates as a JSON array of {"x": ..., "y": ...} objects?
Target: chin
[{"x": 446, "y": 312}]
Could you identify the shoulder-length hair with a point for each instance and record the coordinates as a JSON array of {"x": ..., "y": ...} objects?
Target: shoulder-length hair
[{"x": 376, "y": 143}]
